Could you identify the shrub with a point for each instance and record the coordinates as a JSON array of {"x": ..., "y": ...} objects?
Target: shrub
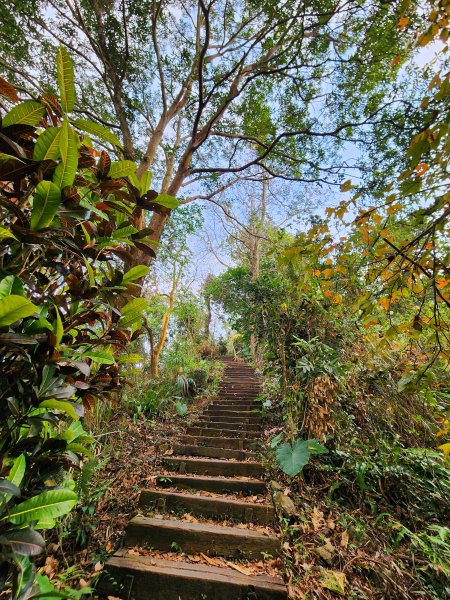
[{"x": 67, "y": 308}]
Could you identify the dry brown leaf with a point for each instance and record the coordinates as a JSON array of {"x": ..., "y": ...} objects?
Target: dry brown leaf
[
  {"x": 344, "y": 539},
  {"x": 243, "y": 570},
  {"x": 98, "y": 567}
]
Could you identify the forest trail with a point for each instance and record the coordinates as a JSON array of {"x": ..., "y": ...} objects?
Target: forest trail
[{"x": 216, "y": 456}]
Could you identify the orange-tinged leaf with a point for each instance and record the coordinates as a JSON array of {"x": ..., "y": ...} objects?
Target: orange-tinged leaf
[
  {"x": 422, "y": 169},
  {"x": 328, "y": 293},
  {"x": 403, "y": 22},
  {"x": 337, "y": 299},
  {"x": 396, "y": 60},
  {"x": 327, "y": 273},
  {"x": 8, "y": 90}
]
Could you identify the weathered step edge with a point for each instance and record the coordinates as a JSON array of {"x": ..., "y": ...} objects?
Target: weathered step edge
[
  {"x": 134, "y": 577},
  {"x": 211, "y": 466},
  {"x": 212, "y": 452},
  {"x": 193, "y": 538},
  {"x": 213, "y": 484},
  {"x": 207, "y": 506}
]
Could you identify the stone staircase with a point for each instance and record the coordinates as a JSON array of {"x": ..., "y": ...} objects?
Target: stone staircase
[{"x": 213, "y": 471}]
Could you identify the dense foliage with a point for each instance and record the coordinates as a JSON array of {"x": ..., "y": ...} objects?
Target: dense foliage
[{"x": 68, "y": 307}]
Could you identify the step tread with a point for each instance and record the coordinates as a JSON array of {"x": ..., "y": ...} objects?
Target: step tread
[
  {"x": 186, "y": 527},
  {"x": 193, "y": 570}
]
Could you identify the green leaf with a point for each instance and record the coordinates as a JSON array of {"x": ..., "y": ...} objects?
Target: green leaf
[
  {"x": 145, "y": 182},
  {"x": 102, "y": 358},
  {"x": 48, "y": 505},
  {"x": 29, "y": 112},
  {"x": 137, "y": 304},
  {"x": 58, "y": 328},
  {"x": 121, "y": 168},
  {"x": 11, "y": 285},
  {"x": 135, "y": 273},
  {"x": 66, "y": 79},
  {"x": 98, "y": 131},
  {"x": 68, "y": 145},
  {"x": 79, "y": 449},
  {"x": 17, "y": 471},
  {"x": 46, "y": 201},
  {"x": 61, "y": 405},
  {"x": 167, "y": 201},
  {"x": 291, "y": 458},
  {"x": 132, "y": 311},
  {"x": 47, "y": 145},
  {"x": 13, "y": 308},
  {"x": 6, "y": 233}
]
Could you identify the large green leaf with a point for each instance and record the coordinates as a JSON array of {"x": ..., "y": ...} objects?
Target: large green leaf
[
  {"x": 68, "y": 146},
  {"x": 102, "y": 358},
  {"x": 145, "y": 182},
  {"x": 291, "y": 458},
  {"x": 11, "y": 285},
  {"x": 121, "y": 168},
  {"x": 65, "y": 407},
  {"x": 29, "y": 112},
  {"x": 17, "y": 471},
  {"x": 98, "y": 131},
  {"x": 46, "y": 201},
  {"x": 13, "y": 308},
  {"x": 135, "y": 273},
  {"x": 47, "y": 145},
  {"x": 66, "y": 79},
  {"x": 132, "y": 311},
  {"x": 48, "y": 505},
  {"x": 167, "y": 201}
]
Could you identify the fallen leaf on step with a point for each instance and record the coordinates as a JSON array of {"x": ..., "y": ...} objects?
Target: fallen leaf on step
[
  {"x": 243, "y": 570},
  {"x": 317, "y": 519},
  {"x": 98, "y": 567},
  {"x": 215, "y": 562}
]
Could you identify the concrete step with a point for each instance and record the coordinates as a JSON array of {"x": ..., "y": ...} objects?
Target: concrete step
[
  {"x": 221, "y": 442},
  {"x": 212, "y": 452},
  {"x": 212, "y": 422},
  {"x": 213, "y": 507},
  {"x": 193, "y": 538},
  {"x": 243, "y": 405},
  {"x": 211, "y": 466},
  {"x": 209, "y": 432},
  {"x": 218, "y": 485},
  {"x": 148, "y": 578}
]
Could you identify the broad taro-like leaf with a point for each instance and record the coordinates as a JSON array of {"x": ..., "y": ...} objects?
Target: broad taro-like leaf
[
  {"x": 98, "y": 131},
  {"x": 291, "y": 458},
  {"x": 121, "y": 168},
  {"x": 13, "y": 308},
  {"x": 29, "y": 112},
  {"x": 23, "y": 541},
  {"x": 46, "y": 201},
  {"x": 47, "y": 144},
  {"x": 47, "y": 505},
  {"x": 68, "y": 146},
  {"x": 66, "y": 79}
]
